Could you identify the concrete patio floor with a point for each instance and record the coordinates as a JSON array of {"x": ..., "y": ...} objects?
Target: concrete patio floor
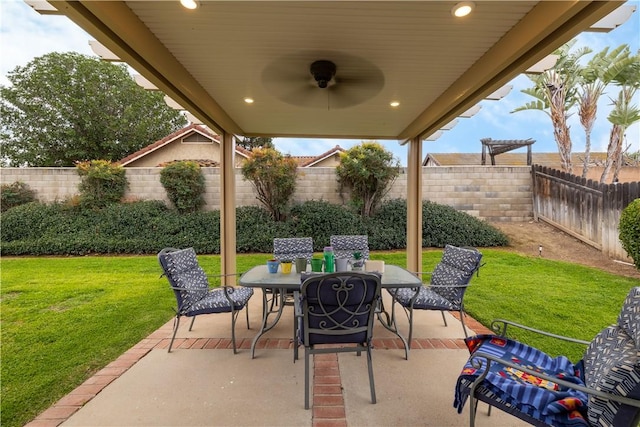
[{"x": 202, "y": 383}]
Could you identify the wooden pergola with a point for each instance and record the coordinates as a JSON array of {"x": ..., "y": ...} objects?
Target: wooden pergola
[{"x": 499, "y": 146}]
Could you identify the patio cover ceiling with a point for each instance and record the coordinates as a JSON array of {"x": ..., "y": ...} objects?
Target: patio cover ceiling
[{"x": 414, "y": 52}]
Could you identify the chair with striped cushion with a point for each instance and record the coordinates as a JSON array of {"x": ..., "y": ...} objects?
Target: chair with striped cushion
[
  {"x": 445, "y": 292},
  {"x": 190, "y": 286}
]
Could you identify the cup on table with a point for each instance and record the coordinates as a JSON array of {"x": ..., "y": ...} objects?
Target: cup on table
[
  {"x": 286, "y": 267},
  {"x": 342, "y": 264},
  {"x": 316, "y": 265},
  {"x": 272, "y": 265},
  {"x": 301, "y": 265}
]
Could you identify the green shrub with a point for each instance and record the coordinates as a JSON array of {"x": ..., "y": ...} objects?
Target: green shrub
[
  {"x": 255, "y": 229},
  {"x": 319, "y": 220},
  {"x": 629, "y": 231},
  {"x": 387, "y": 228},
  {"x": 185, "y": 185},
  {"x": 15, "y": 194},
  {"x": 37, "y": 220},
  {"x": 443, "y": 225},
  {"x": 147, "y": 227},
  {"x": 101, "y": 183}
]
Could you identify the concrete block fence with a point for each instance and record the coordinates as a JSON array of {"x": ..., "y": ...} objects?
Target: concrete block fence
[{"x": 494, "y": 193}]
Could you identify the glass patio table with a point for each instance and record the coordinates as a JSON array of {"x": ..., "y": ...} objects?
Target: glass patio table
[{"x": 282, "y": 285}]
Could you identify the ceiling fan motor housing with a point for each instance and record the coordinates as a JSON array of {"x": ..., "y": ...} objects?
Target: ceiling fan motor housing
[{"x": 323, "y": 71}]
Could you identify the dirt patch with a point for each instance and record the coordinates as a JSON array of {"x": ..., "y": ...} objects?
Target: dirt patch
[{"x": 527, "y": 238}]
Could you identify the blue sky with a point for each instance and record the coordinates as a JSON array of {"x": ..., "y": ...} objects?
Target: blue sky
[{"x": 25, "y": 34}]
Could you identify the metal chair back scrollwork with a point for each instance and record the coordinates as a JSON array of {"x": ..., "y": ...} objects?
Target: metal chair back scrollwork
[{"x": 337, "y": 308}]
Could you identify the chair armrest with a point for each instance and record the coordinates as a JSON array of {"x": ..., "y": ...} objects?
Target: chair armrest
[
  {"x": 480, "y": 359},
  {"x": 499, "y": 326}
]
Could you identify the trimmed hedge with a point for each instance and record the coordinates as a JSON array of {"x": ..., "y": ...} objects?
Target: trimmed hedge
[{"x": 148, "y": 226}]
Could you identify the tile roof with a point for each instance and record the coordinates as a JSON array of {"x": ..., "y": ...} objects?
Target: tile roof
[
  {"x": 180, "y": 133},
  {"x": 313, "y": 160}
]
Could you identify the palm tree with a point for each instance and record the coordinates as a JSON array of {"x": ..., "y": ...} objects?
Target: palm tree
[
  {"x": 601, "y": 70},
  {"x": 556, "y": 91},
  {"x": 623, "y": 115}
]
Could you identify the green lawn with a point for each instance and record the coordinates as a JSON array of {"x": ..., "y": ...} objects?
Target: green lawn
[{"x": 65, "y": 318}]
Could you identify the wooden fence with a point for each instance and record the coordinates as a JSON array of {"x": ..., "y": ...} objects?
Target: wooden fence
[{"x": 583, "y": 208}]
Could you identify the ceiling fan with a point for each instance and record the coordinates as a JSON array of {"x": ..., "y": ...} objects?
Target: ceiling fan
[{"x": 323, "y": 80}]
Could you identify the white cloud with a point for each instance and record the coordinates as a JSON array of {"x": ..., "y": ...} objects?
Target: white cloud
[{"x": 26, "y": 35}]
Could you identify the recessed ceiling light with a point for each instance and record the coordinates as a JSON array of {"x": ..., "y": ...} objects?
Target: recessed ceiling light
[
  {"x": 463, "y": 8},
  {"x": 248, "y": 100},
  {"x": 189, "y": 4},
  {"x": 394, "y": 104}
]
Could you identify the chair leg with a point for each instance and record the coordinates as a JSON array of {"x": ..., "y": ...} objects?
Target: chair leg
[
  {"x": 306, "y": 378},
  {"x": 176, "y": 323},
  {"x": 234, "y": 315},
  {"x": 372, "y": 384},
  {"x": 247, "y": 314},
  {"x": 193, "y": 319},
  {"x": 464, "y": 328},
  {"x": 410, "y": 325},
  {"x": 295, "y": 338},
  {"x": 444, "y": 318}
]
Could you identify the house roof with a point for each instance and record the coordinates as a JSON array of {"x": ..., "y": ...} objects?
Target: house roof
[
  {"x": 317, "y": 159},
  {"x": 179, "y": 134},
  {"x": 507, "y": 159}
]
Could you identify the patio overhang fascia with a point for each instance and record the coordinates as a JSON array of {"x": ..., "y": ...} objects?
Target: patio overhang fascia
[{"x": 549, "y": 25}]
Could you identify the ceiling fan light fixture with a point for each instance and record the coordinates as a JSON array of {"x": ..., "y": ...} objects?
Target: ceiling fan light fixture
[
  {"x": 189, "y": 4},
  {"x": 322, "y": 72},
  {"x": 249, "y": 100},
  {"x": 463, "y": 9},
  {"x": 394, "y": 104}
]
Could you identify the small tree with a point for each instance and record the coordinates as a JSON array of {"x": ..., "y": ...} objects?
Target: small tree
[
  {"x": 185, "y": 185},
  {"x": 368, "y": 170},
  {"x": 249, "y": 143},
  {"x": 274, "y": 178},
  {"x": 629, "y": 229},
  {"x": 101, "y": 183}
]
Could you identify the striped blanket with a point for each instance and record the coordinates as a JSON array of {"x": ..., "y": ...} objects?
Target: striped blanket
[{"x": 544, "y": 400}]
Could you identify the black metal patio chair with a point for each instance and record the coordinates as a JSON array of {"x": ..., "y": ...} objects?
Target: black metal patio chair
[
  {"x": 194, "y": 297},
  {"x": 336, "y": 313}
]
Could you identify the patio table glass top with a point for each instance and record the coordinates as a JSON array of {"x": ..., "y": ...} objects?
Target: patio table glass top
[{"x": 259, "y": 277}]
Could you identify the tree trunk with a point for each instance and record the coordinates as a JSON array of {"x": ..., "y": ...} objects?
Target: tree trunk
[
  {"x": 614, "y": 152},
  {"x": 557, "y": 96}
]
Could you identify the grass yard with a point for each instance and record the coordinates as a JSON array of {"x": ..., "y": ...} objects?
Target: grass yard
[{"x": 63, "y": 319}]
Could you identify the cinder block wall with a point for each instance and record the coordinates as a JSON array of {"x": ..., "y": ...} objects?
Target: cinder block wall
[{"x": 495, "y": 193}]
